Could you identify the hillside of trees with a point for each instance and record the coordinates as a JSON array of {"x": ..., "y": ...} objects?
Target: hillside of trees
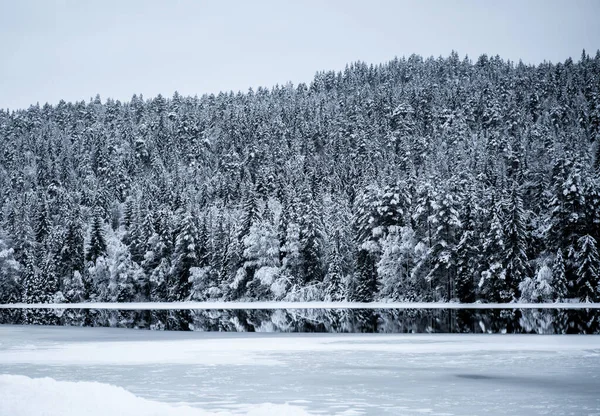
[{"x": 419, "y": 179}]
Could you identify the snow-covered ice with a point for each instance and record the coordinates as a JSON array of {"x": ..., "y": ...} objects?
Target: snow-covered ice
[{"x": 183, "y": 373}]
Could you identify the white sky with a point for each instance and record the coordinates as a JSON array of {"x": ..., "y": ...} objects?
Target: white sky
[{"x": 74, "y": 49}]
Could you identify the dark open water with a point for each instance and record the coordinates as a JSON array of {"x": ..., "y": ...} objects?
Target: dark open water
[{"x": 514, "y": 321}]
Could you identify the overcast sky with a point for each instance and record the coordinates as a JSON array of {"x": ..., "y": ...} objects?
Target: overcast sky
[{"x": 73, "y": 50}]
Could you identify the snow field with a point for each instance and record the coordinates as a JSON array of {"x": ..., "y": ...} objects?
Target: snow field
[{"x": 24, "y": 396}]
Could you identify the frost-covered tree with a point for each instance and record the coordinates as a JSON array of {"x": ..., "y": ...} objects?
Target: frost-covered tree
[
  {"x": 185, "y": 257},
  {"x": 311, "y": 243},
  {"x": 74, "y": 290},
  {"x": 293, "y": 261},
  {"x": 468, "y": 253},
  {"x": 72, "y": 256},
  {"x": 493, "y": 285},
  {"x": 97, "y": 245},
  {"x": 396, "y": 263},
  {"x": 588, "y": 273},
  {"x": 261, "y": 260},
  {"x": 540, "y": 288},
  {"x": 560, "y": 284},
  {"x": 515, "y": 245},
  {"x": 447, "y": 225},
  {"x": 10, "y": 279},
  {"x": 333, "y": 284}
]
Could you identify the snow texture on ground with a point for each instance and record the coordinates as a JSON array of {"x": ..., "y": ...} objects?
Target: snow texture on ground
[
  {"x": 335, "y": 374},
  {"x": 295, "y": 305},
  {"x": 24, "y": 396}
]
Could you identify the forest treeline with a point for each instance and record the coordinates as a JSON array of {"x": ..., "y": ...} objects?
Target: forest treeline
[{"x": 418, "y": 179}]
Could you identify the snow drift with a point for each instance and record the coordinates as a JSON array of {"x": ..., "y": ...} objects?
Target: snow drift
[{"x": 24, "y": 396}]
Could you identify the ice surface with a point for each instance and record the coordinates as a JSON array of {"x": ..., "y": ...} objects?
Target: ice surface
[
  {"x": 295, "y": 305},
  {"x": 336, "y": 374}
]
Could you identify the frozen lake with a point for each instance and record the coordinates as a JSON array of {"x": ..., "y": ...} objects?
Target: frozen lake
[{"x": 335, "y": 374}]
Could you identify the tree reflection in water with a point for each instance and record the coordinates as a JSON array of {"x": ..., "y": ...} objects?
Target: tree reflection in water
[{"x": 513, "y": 321}]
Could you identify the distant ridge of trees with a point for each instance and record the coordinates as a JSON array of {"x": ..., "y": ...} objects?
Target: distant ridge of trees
[{"x": 418, "y": 179}]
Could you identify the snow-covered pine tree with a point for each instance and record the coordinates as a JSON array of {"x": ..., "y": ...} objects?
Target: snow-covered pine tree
[
  {"x": 334, "y": 282},
  {"x": 422, "y": 217},
  {"x": 493, "y": 285},
  {"x": 567, "y": 222},
  {"x": 515, "y": 244},
  {"x": 43, "y": 224},
  {"x": 74, "y": 290},
  {"x": 560, "y": 282},
  {"x": 72, "y": 255},
  {"x": 293, "y": 261},
  {"x": 10, "y": 279},
  {"x": 261, "y": 259},
  {"x": 468, "y": 253},
  {"x": 97, "y": 245},
  {"x": 588, "y": 271},
  {"x": 396, "y": 263},
  {"x": 311, "y": 242},
  {"x": 364, "y": 284},
  {"x": 447, "y": 226},
  {"x": 185, "y": 257}
]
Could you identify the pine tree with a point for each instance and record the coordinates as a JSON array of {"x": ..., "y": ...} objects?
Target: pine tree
[
  {"x": 395, "y": 266},
  {"x": 252, "y": 214},
  {"x": 567, "y": 214},
  {"x": 447, "y": 227},
  {"x": 588, "y": 272},
  {"x": 128, "y": 213},
  {"x": 74, "y": 289},
  {"x": 97, "y": 246},
  {"x": 561, "y": 289},
  {"x": 72, "y": 256},
  {"x": 334, "y": 288},
  {"x": 515, "y": 245},
  {"x": 311, "y": 241},
  {"x": 33, "y": 282},
  {"x": 42, "y": 229},
  {"x": 10, "y": 279},
  {"x": 333, "y": 281},
  {"x": 184, "y": 258},
  {"x": 493, "y": 278},
  {"x": 365, "y": 284},
  {"x": 125, "y": 274},
  {"x": 261, "y": 259},
  {"x": 466, "y": 261}
]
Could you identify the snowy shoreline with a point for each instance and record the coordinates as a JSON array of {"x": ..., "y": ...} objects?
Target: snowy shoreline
[{"x": 294, "y": 305}]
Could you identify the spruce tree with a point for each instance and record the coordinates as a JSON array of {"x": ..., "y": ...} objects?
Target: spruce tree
[
  {"x": 447, "y": 228},
  {"x": 365, "y": 284},
  {"x": 72, "y": 256},
  {"x": 493, "y": 278},
  {"x": 10, "y": 274},
  {"x": 561, "y": 289},
  {"x": 42, "y": 229},
  {"x": 184, "y": 258},
  {"x": 97, "y": 245},
  {"x": 311, "y": 241},
  {"x": 515, "y": 244},
  {"x": 588, "y": 271},
  {"x": 334, "y": 289}
]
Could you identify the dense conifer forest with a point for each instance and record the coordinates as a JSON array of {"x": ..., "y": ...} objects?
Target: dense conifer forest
[{"x": 419, "y": 179}]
